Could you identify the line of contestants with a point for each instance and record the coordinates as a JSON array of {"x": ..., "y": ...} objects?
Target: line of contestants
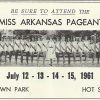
[{"x": 49, "y": 50}]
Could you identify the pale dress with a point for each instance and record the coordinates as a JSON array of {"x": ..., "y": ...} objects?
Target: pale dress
[
  {"x": 69, "y": 48},
  {"x": 1, "y": 46},
  {"x": 22, "y": 45},
  {"x": 16, "y": 45},
  {"x": 86, "y": 46},
  {"x": 80, "y": 47},
  {"x": 92, "y": 47},
  {"x": 38, "y": 46},
  {"x": 75, "y": 46},
  {"x": 32, "y": 46},
  {"x": 63, "y": 46},
  {"x": 97, "y": 47},
  {"x": 11, "y": 46},
  {"x": 57, "y": 47},
  {"x": 51, "y": 51},
  {"x": 6, "y": 46},
  {"x": 44, "y": 45},
  {"x": 27, "y": 46}
]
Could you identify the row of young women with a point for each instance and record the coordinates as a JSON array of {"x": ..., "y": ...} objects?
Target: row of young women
[{"x": 52, "y": 49}]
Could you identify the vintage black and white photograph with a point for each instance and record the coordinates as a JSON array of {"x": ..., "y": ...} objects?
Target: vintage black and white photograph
[{"x": 50, "y": 48}]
